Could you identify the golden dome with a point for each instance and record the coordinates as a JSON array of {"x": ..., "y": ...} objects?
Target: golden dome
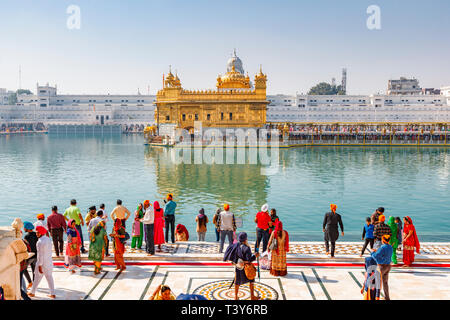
[{"x": 233, "y": 79}]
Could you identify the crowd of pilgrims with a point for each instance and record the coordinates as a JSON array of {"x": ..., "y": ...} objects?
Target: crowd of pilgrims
[{"x": 152, "y": 223}]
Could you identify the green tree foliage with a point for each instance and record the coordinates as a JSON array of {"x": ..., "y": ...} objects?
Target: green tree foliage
[
  {"x": 324, "y": 88},
  {"x": 12, "y": 99}
]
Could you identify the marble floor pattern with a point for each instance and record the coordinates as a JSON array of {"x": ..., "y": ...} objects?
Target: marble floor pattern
[{"x": 138, "y": 282}]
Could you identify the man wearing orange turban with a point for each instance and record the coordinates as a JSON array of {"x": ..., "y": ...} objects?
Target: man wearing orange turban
[
  {"x": 330, "y": 228},
  {"x": 41, "y": 221}
]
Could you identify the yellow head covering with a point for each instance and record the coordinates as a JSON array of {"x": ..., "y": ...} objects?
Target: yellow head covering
[
  {"x": 226, "y": 207},
  {"x": 40, "y": 215},
  {"x": 169, "y": 196},
  {"x": 333, "y": 207}
]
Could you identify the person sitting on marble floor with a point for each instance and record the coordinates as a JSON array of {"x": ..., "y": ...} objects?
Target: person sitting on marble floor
[
  {"x": 162, "y": 292},
  {"x": 181, "y": 233}
]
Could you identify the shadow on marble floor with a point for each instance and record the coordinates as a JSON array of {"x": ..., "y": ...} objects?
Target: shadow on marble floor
[{"x": 308, "y": 278}]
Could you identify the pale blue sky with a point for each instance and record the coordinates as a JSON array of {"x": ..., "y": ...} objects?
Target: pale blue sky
[{"x": 125, "y": 45}]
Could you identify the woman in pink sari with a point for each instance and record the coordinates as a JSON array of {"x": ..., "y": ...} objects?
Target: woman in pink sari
[
  {"x": 158, "y": 228},
  {"x": 73, "y": 246},
  {"x": 410, "y": 242}
]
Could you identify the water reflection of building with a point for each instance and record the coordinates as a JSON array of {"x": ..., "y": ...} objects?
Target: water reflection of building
[{"x": 243, "y": 186}]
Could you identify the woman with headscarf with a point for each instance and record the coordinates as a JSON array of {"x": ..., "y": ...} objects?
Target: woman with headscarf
[
  {"x": 97, "y": 246},
  {"x": 216, "y": 224},
  {"x": 201, "y": 220},
  {"x": 181, "y": 233},
  {"x": 394, "y": 240},
  {"x": 137, "y": 228},
  {"x": 330, "y": 229},
  {"x": 118, "y": 246},
  {"x": 158, "y": 229},
  {"x": 73, "y": 247},
  {"x": 274, "y": 218},
  {"x": 410, "y": 242},
  {"x": 280, "y": 238},
  {"x": 240, "y": 254},
  {"x": 162, "y": 292}
]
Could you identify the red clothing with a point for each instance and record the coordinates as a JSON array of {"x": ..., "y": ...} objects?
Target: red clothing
[
  {"x": 158, "y": 227},
  {"x": 410, "y": 244},
  {"x": 56, "y": 221},
  {"x": 263, "y": 219}
]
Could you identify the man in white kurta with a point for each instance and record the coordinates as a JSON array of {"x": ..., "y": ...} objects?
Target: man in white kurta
[{"x": 44, "y": 263}]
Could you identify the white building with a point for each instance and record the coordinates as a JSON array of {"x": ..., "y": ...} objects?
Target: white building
[
  {"x": 47, "y": 107},
  {"x": 4, "y": 96},
  {"x": 358, "y": 108},
  {"x": 404, "y": 86}
]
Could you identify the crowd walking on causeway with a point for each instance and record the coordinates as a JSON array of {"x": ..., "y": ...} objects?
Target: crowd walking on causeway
[{"x": 150, "y": 223}]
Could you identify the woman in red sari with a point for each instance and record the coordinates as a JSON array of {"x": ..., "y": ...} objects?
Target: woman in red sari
[
  {"x": 119, "y": 247},
  {"x": 158, "y": 228},
  {"x": 410, "y": 242}
]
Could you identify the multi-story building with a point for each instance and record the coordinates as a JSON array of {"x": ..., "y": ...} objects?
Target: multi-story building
[
  {"x": 47, "y": 107},
  {"x": 404, "y": 86},
  {"x": 4, "y": 96}
]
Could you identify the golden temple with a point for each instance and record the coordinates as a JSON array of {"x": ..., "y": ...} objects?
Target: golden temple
[{"x": 235, "y": 103}]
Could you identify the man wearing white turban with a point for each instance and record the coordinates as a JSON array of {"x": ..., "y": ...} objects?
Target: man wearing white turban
[{"x": 263, "y": 222}]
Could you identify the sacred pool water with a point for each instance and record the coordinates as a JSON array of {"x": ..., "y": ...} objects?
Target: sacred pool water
[{"x": 38, "y": 171}]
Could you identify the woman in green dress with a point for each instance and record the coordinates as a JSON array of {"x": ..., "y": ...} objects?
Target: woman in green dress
[
  {"x": 97, "y": 247},
  {"x": 394, "y": 240}
]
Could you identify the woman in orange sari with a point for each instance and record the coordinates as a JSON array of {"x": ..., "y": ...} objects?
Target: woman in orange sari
[
  {"x": 281, "y": 237},
  {"x": 73, "y": 246},
  {"x": 119, "y": 247},
  {"x": 410, "y": 242}
]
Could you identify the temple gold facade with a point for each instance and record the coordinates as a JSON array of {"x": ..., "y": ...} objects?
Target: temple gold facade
[{"x": 236, "y": 103}]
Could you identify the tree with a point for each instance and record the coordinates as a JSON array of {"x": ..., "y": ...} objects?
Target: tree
[
  {"x": 324, "y": 88},
  {"x": 12, "y": 99}
]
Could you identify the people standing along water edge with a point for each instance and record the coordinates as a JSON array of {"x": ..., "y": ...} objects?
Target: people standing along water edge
[
  {"x": 72, "y": 258},
  {"x": 137, "y": 229},
  {"x": 367, "y": 235},
  {"x": 201, "y": 219},
  {"x": 278, "y": 246},
  {"x": 380, "y": 230},
  {"x": 158, "y": 226},
  {"x": 216, "y": 224},
  {"x": 274, "y": 218},
  {"x": 394, "y": 240},
  {"x": 73, "y": 213},
  {"x": 410, "y": 242},
  {"x": 57, "y": 226},
  {"x": 263, "y": 222},
  {"x": 120, "y": 212},
  {"x": 227, "y": 225},
  {"x": 97, "y": 247},
  {"x": 169, "y": 217},
  {"x": 91, "y": 214},
  {"x": 119, "y": 248},
  {"x": 330, "y": 229},
  {"x": 148, "y": 221}
]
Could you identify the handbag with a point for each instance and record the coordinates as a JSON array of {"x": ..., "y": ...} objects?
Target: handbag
[
  {"x": 273, "y": 244},
  {"x": 127, "y": 237},
  {"x": 250, "y": 271}
]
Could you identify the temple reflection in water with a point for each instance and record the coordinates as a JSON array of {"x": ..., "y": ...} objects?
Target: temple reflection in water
[{"x": 244, "y": 186}]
